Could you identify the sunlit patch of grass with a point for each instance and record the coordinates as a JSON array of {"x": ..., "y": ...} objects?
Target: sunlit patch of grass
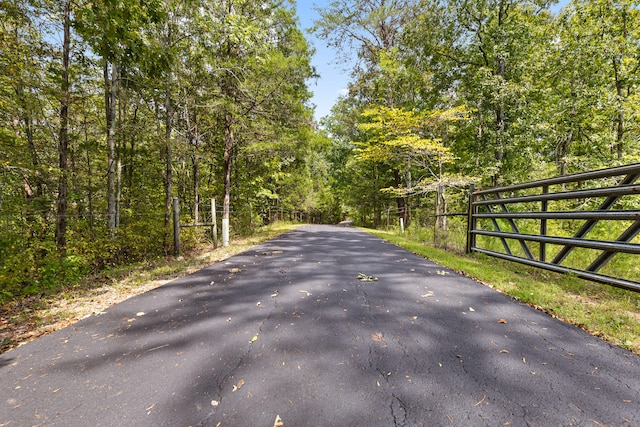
[{"x": 610, "y": 313}]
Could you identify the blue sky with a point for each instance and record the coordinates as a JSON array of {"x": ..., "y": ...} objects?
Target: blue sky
[{"x": 333, "y": 78}]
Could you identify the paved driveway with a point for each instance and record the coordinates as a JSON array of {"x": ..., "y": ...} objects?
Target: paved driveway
[{"x": 288, "y": 334}]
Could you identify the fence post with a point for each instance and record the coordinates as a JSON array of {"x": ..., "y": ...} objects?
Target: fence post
[
  {"x": 471, "y": 222},
  {"x": 176, "y": 227},
  {"x": 214, "y": 222}
]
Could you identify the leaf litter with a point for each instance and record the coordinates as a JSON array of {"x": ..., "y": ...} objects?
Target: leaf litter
[{"x": 365, "y": 278}]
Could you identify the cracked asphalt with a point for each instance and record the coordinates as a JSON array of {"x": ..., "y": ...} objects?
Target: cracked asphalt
[{"x": 287, "y": 334}]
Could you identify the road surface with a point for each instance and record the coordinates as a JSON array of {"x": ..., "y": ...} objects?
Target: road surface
[{"x": 322, "y": 326}]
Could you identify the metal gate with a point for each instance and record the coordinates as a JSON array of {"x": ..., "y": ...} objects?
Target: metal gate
[{"x": 574, "y": 224}]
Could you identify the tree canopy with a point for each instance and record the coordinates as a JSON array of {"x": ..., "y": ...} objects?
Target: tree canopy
[{"x": 110, "y": 109}]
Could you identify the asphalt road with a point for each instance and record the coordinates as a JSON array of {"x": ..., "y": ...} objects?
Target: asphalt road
[{"x": 287, "y": 334}]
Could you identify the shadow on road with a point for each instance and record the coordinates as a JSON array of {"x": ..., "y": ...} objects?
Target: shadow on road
[{"x": 287, "y": 329}]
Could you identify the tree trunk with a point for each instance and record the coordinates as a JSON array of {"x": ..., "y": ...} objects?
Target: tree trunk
[
  {"x": 229, "y": 142},
  {"x": 90, "y": 191},
  {"x": 402, "y": 206},
  {"x": 196, "y": 187},
  {"x": 168, "y": 157},
  {"x": 620, "y": 111},
  {"x": 500, "y": 70},
  {"x": 500, "y": 127},
  {"x": 63, "y": 143},
  {"x": 110, "y": 111},
  {"x": 194, "y": 139}
]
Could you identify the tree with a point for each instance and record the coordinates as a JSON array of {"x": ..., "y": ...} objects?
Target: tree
[
  {"x": 263, "y": 65},
  {"x": 114, "y": 30},
  {"x": 374, "y": 29},
  {"x": 63, "y": 139}
]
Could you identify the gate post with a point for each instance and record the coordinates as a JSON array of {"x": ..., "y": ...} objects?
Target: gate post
[{"x": 471, "y": 221}]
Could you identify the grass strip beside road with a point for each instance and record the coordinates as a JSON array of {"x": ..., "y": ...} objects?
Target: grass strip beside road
[{"x": 604, "y": 311}]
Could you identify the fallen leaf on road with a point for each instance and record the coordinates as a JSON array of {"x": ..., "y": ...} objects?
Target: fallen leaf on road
[
  {"x": 254, "y": 339},
  {"x": 140, "y": 313},
  {"x": 441, "y": 272},
  {"x": 427, "y": 295},
  {"x": 471, "y": 309},
  {"x": 235, "y": 270},
  {"x": 504, "y": 351},
  {"x": 502, "y": 321},
  {"x": 275, "y": 294},
  {"x": 239, "y": 384},
  {"x": 305, "y": 292},
  {"x": 278, "y": 422},
  {"x": 150, "y": 407},
  {"x": 363, "y": 277},
  {"x": 214, "y": 403},
  {"x": 377, "y": 336}
]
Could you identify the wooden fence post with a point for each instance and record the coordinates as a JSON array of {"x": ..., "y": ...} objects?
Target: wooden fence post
[{"x": 214, "y": 222}]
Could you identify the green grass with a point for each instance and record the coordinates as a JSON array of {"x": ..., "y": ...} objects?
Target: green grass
[{"x": 610, "y": 313}]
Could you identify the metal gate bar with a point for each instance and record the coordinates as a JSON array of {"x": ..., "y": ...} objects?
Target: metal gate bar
[{"x": 484, "y": 203}]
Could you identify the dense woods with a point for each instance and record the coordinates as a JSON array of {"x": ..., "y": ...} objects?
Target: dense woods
[
  {"x": 110, "y": 109},
  {"x": 489, "y": 91}
]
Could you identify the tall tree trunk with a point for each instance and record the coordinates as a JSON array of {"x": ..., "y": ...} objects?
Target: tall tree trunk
[
  {"x": 193, "y": 136},
  {"x": 229, "y": 142},
  {"x": 196, "y": 186},
  {"x": 500, "y": 126},
  {"x": 500, "y": 70},
  {"x": 168, "y": 156},
  {"x": 63, "y": 143},
  {"x": 620, "y": 110},
  {"x": 30, "y": 196},
  {"x": 90, "y": 192},
  {"x": 111, "y": 82},
  {"x": 118, "y": 189}
]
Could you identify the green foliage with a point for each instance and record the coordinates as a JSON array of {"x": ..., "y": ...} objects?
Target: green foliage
[{"x": 165, "y": 78}]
